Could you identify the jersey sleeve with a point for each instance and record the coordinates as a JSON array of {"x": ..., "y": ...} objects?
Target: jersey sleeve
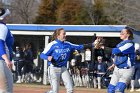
[
  {"x": 47, "y": 51},
  {"x": 75, "y": 46},
  {"x": 2, "y": 48},
  {"x": 3, "y": 32},
  {"x": 123, "y": 49}
]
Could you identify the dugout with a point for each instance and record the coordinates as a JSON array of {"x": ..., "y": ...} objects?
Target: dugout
[
  {"x": 78, "y": 34},
  {"x": 75, "y": 33},
  {"x": 39, "y": 35}
]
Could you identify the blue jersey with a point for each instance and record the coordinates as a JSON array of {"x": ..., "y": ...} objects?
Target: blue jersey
[
  {"x": 101, "y": 67},
  {"x": 19, "y": 55},
  {"x": 60, "y": 51},
  {"x": 124, "y": 54},
  {"x": 6, "y": 41}
]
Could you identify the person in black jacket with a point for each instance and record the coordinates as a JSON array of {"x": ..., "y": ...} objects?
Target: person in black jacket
[
  {"x": 28, "y": 56},
  {"x": 18, "y": 62}
]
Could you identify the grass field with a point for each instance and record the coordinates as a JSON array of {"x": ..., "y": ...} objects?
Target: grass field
[{"x": 36, "y": 88}]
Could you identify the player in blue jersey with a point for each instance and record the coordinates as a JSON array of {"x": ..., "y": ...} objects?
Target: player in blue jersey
[
  {"x": 6, "y": 43},
  {"x": 124, "y": 58},
  {"x": 136, "y": 75},
  {"x": 57, "y": 53}
]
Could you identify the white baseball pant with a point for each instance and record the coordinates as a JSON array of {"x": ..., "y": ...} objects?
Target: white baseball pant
[
  {"x": 54, "y": 74},
  {"x": 121, "y": 75},
  {"x": 6, "y": 78}
]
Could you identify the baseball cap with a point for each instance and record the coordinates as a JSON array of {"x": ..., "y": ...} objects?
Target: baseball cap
[
  {"x": 4, "y": 13},
  {"x": 99, "y": 57},
  {"x": 17, "y": 47}
]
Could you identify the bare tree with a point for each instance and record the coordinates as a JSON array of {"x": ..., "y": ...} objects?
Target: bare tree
[
  {"x": 24, "y": 11},
  {"x": 1, "y": 3},
  {"x": 124, "y": 11},
  {"x": 89, "y": 7},
  {"x": 96, "y": 13},
  {"x": 117, "y": 11}
]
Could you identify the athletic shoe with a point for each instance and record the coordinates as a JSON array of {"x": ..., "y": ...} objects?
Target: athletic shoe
[
  {"x": 138, "y": 90},
  {"x": 48, "y": 92},
  {"x": 132, "y": 90},
  {"x": 18, "y": 81},
  {"x": 99, "y": 87}
]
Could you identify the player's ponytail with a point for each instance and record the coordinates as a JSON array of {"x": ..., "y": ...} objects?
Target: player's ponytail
[{"x": 130, "y": 32}]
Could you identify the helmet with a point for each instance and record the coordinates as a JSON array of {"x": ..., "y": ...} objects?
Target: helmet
[
  {"x": 4, "y": 13},
  {"x": 137, "y": 46},
  {"x": 99, "y": 57},
  {"x": 17, "y": 47},
  {"x": 73, "y": 62}
]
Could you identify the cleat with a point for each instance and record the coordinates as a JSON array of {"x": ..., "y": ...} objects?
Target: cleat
[{"x": 138, "y": 90}]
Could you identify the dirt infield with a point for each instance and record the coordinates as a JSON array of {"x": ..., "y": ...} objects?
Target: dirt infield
[{"x": 34, "y": 88}]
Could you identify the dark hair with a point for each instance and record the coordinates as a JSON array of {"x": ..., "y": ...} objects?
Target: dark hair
[
  {"x": 2, "y": 11},
  {"x": 130, "y": 32},
  {"x": 56, "y": 33},
  {"x": 28, "y": 46}
]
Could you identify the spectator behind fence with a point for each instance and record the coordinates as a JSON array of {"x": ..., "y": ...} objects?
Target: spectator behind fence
[
  {"x": 28, "y": 66},
  {"x": 100, "y": 68},
  {"x": 90, "y": 67},
  {"x": 18, "y": 62},
  {"x": 87, "y": 55}
]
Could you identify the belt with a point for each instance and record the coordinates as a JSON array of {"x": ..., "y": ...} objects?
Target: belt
[
  {"x": 18, "y": 60},
  {"x": 125, "y": 68},
  {"x": 57, "y": 66}
]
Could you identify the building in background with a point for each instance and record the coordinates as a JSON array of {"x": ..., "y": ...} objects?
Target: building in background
[{"x": 6, "y": 2}]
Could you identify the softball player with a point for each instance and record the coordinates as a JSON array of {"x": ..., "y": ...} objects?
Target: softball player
[
  {"x": 136, "y": 75},
  {"x": 124, "y": 56},
  {"x": 57, "y": 53},
  {"x": 6, "y": 43},
  {"x": 18, "y": 62}
]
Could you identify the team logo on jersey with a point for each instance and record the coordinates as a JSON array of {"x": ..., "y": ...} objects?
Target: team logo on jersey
[{"x": 62, "y": 50}]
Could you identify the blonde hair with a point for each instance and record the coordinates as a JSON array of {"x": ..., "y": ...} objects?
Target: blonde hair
[{"x": 56, "y": 33}]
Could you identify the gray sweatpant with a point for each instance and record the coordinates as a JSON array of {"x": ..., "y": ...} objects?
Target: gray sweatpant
[{"x": 6, "y": 78}]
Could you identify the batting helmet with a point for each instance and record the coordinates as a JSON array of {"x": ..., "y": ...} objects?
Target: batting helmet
[{"x": 4, "y": 13}]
